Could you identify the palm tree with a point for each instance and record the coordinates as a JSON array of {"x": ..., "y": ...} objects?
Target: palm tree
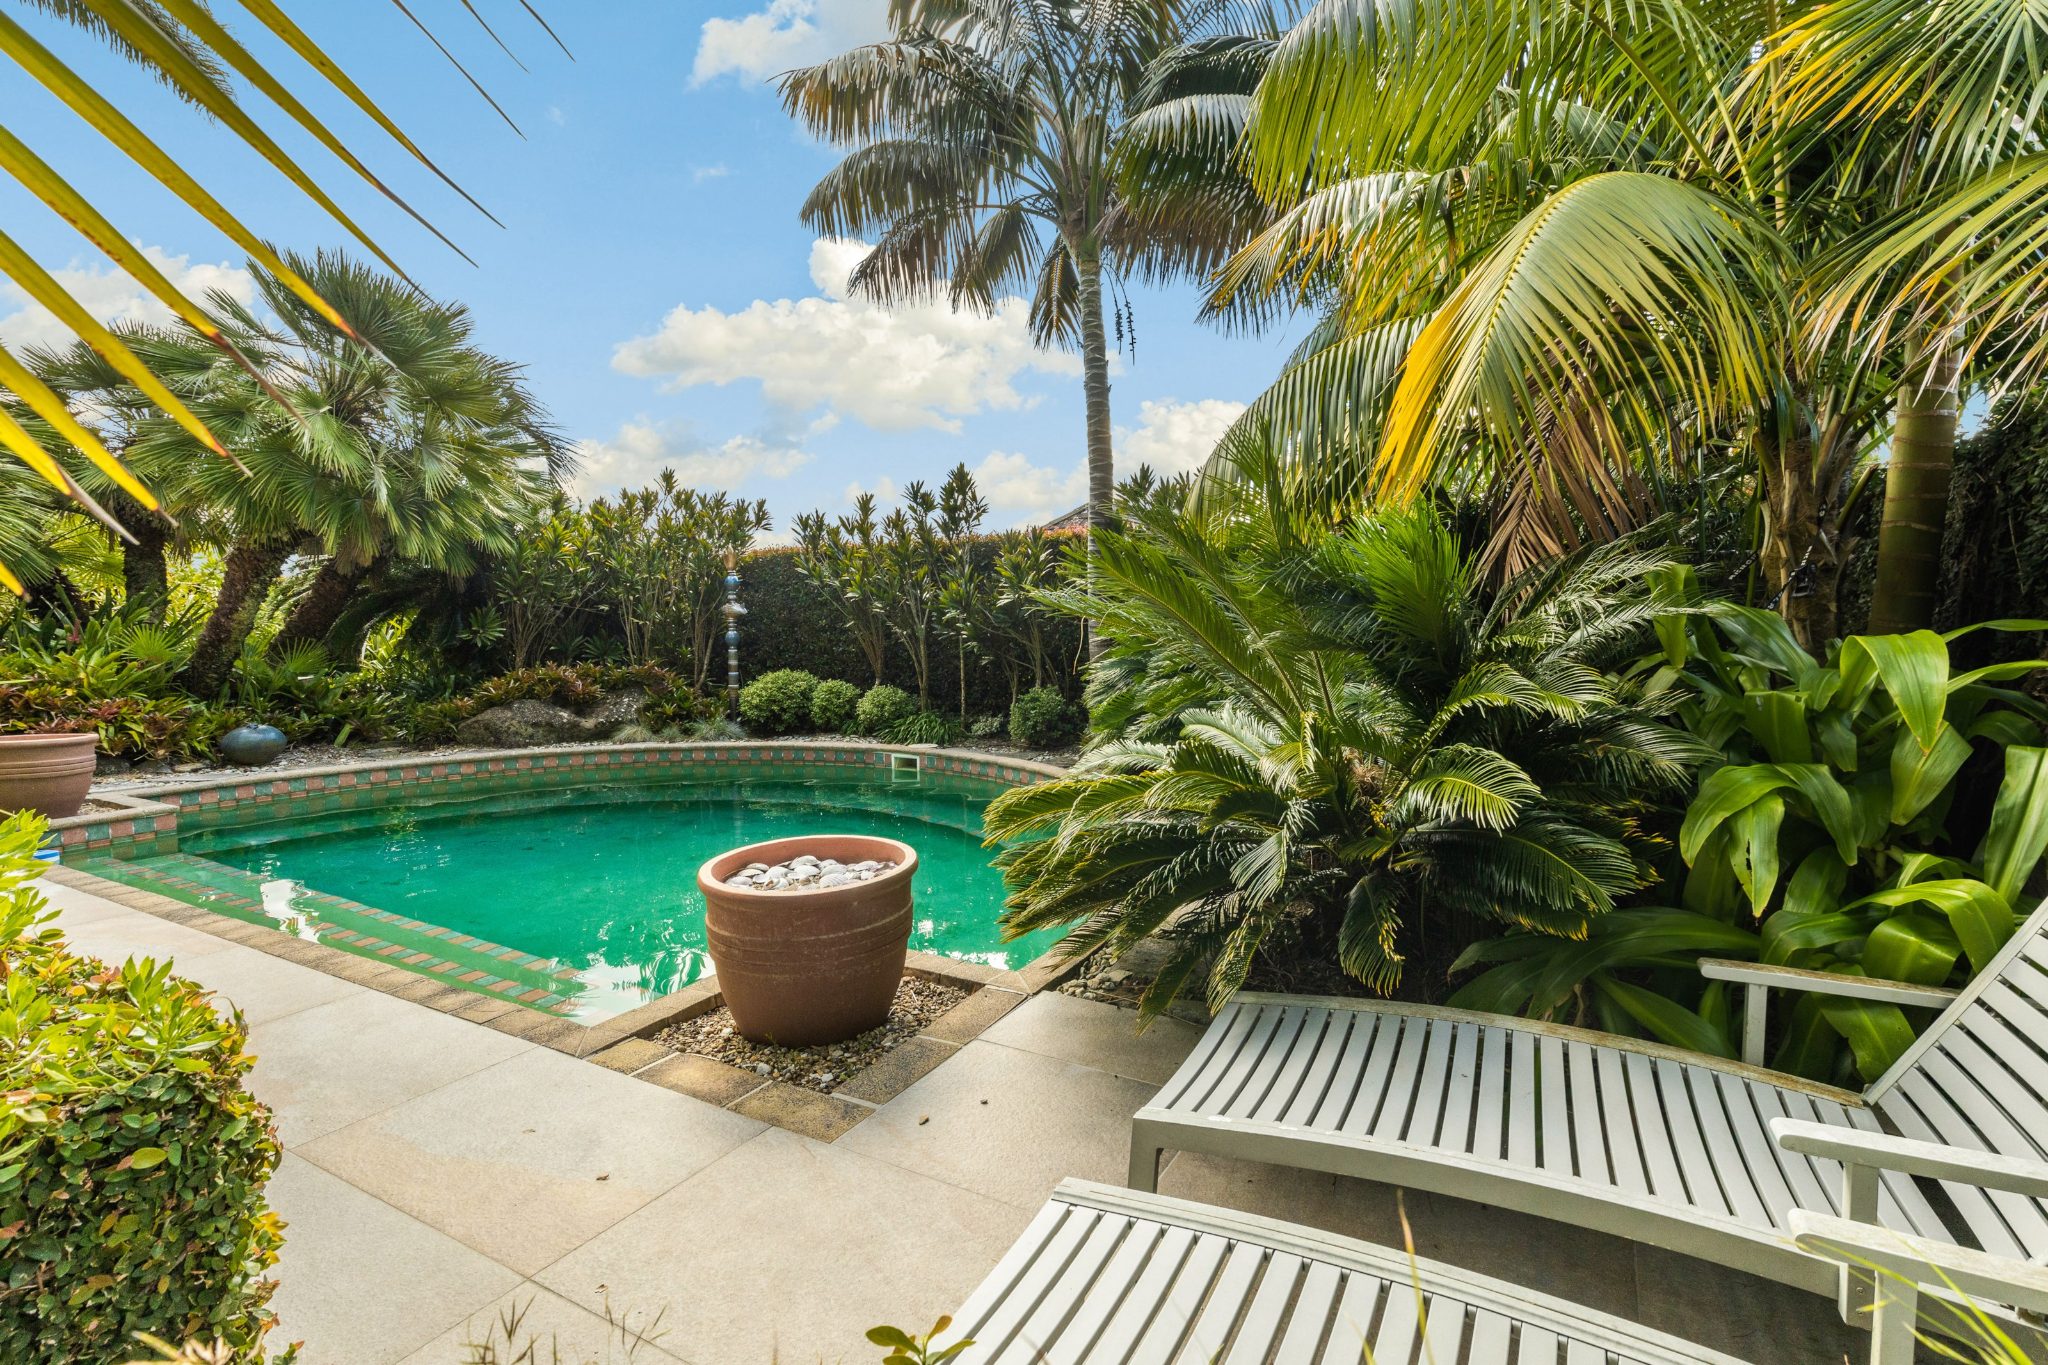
[
  {"x": 1551, "y": 240},
  {"x": 1346, "y": 737},
  {"x": 981, "y": 141},
  {"x": 408, "y": 444},
  {"x": 181, "y": 44}
]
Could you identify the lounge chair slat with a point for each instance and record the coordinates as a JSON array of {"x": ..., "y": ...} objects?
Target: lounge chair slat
[
  {"x": 1226, "y": 1299},
  {"x": 1490, "y": 1095},
  {"x": 1753, "y": 1143},
  {"x": 1315, "y": 1304},
  {"x": 1652, "y": 1129},
  {"x": 1353, "y": 1319},
  {"x": 1186, "y": 1292},
  {"x": 1522, "y": 1099},
  {"x": 1126, "y": 1322},
  {"x": 1554, "y": 1101},
  {"x": 1624, "y": 1145},
  {"x": 1265, "y": 1317},
  {"x": 1031, "y": 1282},
  {"x": 1426, "y": 1118},
  {"x": 1589, "y": 1135}
]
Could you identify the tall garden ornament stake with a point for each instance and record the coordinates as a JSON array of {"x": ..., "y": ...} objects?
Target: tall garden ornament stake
[{"x": 733, "y": 612}]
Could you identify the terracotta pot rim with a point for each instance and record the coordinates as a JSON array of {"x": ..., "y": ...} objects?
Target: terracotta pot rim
[
  {"x": 61, "y": 737},
  {"x": 707, "y": 880}
]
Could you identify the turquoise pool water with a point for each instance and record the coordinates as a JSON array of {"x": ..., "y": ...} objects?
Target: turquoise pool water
[{"x": 603, "y": 879}]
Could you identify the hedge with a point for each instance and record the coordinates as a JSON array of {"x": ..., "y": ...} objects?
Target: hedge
[
  {"x": 132, "y": 1158},
  {"x": 793, "y": 623}
]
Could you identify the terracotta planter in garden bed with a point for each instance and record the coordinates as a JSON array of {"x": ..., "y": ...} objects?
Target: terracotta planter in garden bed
[
  {"x": 803, "y": 966},
  {"x": 46, "y": 773}
]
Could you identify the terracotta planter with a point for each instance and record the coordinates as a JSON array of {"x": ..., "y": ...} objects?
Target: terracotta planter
[
  {"x": 47, "y": 773},
  {"x": 804, "y": 967}
]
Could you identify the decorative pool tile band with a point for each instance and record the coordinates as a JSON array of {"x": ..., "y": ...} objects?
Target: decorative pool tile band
[{"x": 152, "y": 827}]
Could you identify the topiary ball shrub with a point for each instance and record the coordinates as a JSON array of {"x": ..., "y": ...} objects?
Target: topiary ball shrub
[
  {"x": 132, "y": 1160},
  {"x": 778, "y": 703},
  {"x": 1043, "y": 719},
  {"x": 882, "y": 707},
  {"x": 833, "y": 705}
]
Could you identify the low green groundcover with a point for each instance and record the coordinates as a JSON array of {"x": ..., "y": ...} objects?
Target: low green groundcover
[{"x": 132, "y": 1158}]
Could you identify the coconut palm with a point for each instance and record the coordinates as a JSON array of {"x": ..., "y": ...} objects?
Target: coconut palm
[
  {"x": 1352, "y": 734},
  {"x": 182, "y": 44},
  {"x": 981, "y": 141},
  {"x": 1550, "y": 240}
]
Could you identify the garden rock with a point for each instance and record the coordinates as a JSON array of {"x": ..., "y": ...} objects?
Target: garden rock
[
  {"x": 620, "y": 709},
  {"x": 519, "y": 724}
]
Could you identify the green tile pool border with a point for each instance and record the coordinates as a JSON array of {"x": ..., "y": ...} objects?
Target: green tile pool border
[{"x": 146, "y": 824}]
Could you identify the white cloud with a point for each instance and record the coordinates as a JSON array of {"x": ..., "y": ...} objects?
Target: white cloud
[
  {"x": 700, "y": 174},
  {"x": 896, "y": 369},
  {"x": 1174, "y": 437},
  {"x": 111, "y": 296},
  {"x": 641, "y": 450},
  {"x": 1013, "y": 484},
  {"x": 884, "y": 489},
  {"x": 786, "y": 34}
]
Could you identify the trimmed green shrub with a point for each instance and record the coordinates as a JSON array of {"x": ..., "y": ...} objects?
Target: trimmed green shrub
[
  {"x": 833, "y": 704},
  {"x": 132, "y": 1160},
  {"x": 881, "y": 707},
  {"x": 778, "y": 703},
  {"x": 1043, "y": 719},
  {"x": 923, "y": 727}
]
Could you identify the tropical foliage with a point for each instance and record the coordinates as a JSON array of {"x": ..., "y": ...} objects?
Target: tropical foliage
[
  {"x": 1559, "y": 247},
  {"x": 1842, "y": 830},
  {"x": 181, "y": 44},
  {"x": 1353, "y": 737}
]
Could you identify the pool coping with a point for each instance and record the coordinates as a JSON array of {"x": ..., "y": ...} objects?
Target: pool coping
[{"x": 623, "y": 1042}]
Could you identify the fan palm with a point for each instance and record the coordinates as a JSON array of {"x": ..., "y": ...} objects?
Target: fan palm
[
  {"x": 183, "y": 44},
  {"x": 410, "y": 443},
  {"x": 1351, "y": 733},
  {"x": 982, "y": 138},
  {"x": 1551, "y": 238}
]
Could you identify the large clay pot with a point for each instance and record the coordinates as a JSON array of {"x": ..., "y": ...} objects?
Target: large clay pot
[
  {"x": 47, "y": 773},
  {"x": 804, "y": 967}
]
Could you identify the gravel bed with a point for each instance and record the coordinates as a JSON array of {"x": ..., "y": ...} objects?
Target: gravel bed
[{"x": 824, "y": 1069}]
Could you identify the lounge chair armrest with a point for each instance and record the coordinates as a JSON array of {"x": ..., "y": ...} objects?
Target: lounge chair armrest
[
  {"x": 1982, "y": 1277},
  {"x": 1756, "y": 980},
  {"x": 1826, "y": 983},
  {"x": 1909, "y": 1156}
]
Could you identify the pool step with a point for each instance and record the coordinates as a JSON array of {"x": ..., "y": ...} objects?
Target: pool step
[{"x": 459, "y": 959}]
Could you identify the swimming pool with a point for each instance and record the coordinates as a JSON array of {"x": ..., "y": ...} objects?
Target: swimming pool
[{"x": 577, "y": 897}]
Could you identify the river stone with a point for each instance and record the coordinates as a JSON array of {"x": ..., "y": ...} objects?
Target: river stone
[{"x": 522, "y": 724}]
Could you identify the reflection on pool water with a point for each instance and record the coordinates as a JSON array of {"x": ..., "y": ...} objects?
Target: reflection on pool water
[{"x": 601, "y": 879}]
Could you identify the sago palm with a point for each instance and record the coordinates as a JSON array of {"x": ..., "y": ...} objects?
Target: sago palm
[
  {"x": 980, "y": 147},
  {"x": 185, "y": 45},
  {"x": 1551, "y": 239},
  {"x": 1351, "y": 735}
]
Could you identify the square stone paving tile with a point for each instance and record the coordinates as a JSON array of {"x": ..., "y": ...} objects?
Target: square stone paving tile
[
  {"x": 1096, "y": 1035},
  {"x": 262, "y": 986},
  {"x": 789, "y": 1249},
  {"x": 131, "y": 933},
  {"x": 823, "y": 1117},
  {"x": 526, "y": 1160},
  {"x": 704, "y": 1078},
  {"x": 532, "y": 1315},
  {"x": 896, "y": 1069},
  {"x": 363, "y": 1284},
  {"x": 966, "y": 1020},
  {"x": 326, "y": 1067},
  {"x": 1007, "y": 1124}
]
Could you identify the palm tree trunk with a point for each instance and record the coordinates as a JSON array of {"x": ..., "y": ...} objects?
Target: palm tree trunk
[
  {"x": 246, "y": 579},
  {"x": 325, "y": 599},
  {"x": 1799, "y": 559},
  {"x": 1916, "y": 496},
  {"x": 145, "y": 563},
  {"x": 1095, "y": 390}
]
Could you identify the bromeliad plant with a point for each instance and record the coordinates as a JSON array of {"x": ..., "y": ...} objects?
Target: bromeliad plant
[
  {"x": 1351, "y": 732},
  {"x": 1828, "y": 837}
]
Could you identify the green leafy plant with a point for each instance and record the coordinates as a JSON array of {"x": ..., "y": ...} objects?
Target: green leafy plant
[
  {"x": 778, "y": 703},
  {"x": 923, "y": 727},
  {"x": 1826, "y": 836},
  {"x": 132, "y": 1158},
  {"x": 882, "y": 706},
  {"x": 905, "y": 1349},
  {"x": 1043, "y": 719},
  {"x": 1352, "y": 735},
  {"x": 833, "y": 704}
]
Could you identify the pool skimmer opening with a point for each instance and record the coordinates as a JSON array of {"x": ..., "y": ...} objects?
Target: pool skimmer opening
[{"x": 904, "y": 767}]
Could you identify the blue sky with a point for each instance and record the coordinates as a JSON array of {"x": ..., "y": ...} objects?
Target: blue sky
[{"x": 652, "y": 273}]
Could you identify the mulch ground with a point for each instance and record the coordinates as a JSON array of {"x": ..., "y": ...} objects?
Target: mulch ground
[{"x": 918, "y": 1002}]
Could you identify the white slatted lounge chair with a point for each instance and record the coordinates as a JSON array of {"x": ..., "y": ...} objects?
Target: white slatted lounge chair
[
  {"x": 1106, "y": 1276},
  {"x": 1630, "y": 1138}
]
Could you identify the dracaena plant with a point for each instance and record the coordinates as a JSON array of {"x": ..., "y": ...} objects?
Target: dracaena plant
[
  {"x": 1351, "y": 732},
  {"x": 1827, "y": 837}
]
